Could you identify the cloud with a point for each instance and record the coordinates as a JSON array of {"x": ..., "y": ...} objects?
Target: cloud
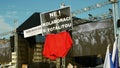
[{"x": 4, "y": 27}]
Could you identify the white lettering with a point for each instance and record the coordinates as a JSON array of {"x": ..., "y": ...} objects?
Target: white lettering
[
  {"x": 63, "y": 26},
  {"x": 53, "y": 14},
  {"x": 56, "y": 21}
]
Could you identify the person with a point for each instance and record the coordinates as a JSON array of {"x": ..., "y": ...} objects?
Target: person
[
  {"x": 75, "y": 66},
  {"x": 99, "y": 59},
  {"x": 70, "y": 65},
  {"x": 52, "y": 65}
]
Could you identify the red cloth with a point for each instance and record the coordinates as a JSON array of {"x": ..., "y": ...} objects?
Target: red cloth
[{"x": 57, "y": 45}]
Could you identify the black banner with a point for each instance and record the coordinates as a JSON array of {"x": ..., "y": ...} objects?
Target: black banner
[
  {"x": 57, "y": 20},
  {"x": 92, "y": 38}
]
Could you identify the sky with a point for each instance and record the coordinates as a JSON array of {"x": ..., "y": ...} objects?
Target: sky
[{"x": 21, "y": 10}]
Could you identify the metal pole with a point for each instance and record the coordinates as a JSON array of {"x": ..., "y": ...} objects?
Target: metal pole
[
  {"x": 62, "y": 59},
  {"x": 115, "y": 19},
  {"x": 16, "y": 42},
  {"x": 115, "y": 15},
  {"x": 117, "y": 28}
]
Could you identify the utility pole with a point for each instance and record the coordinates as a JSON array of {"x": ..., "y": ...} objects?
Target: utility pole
[
  {"x": 16, "y": 41},
  {"x": 62, "y": 59},
  {"x": 115, "y": 19},
  {"x": 115, "y": 14}
]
